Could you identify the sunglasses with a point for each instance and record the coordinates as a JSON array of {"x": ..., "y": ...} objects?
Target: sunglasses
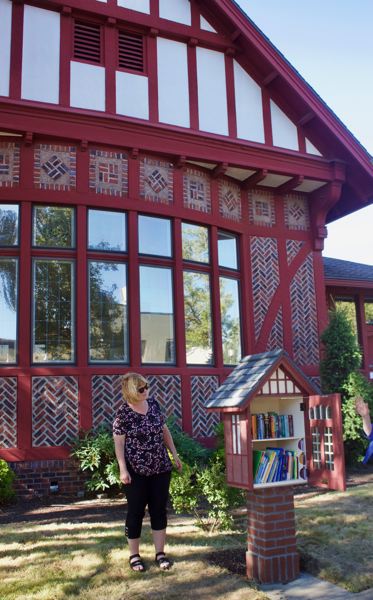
[{"x": 143, "y": 388}]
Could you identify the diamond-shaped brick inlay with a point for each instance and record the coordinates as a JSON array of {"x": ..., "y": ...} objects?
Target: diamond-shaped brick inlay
[
  {"x": 197, "y": 192},
  {"x": 261, "y": 208},
  {"x": 265, "y": 277},
  {"x": 166, "y": 389},
  {"x": 292, "y": 249},
  {"x": 108, "y": 172},
  {"x": 9, "y": 164},
  {"x": 106, "y": 398},
  {"x": 230, "y": 201},
  {"x": 296, "y": 212},
  {"x": 156, "y": 180},
  {"x": 55, "y": 410},
  {"x": 276, "y": 337},
  {"x": 304, "y": 315},
  {"x": 8, "y": 412},
  {"x": 203, "y": 423},
  {"x": 55, "y": 167}
]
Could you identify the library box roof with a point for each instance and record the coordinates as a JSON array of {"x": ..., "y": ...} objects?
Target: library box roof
[{"x": 271, "y": 372}]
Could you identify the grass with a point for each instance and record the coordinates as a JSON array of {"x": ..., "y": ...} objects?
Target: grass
[
  {"x": 335, "y": 536},
  {"x": 88, "y": 560}
]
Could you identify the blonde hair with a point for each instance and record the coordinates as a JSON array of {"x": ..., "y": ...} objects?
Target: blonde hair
[{"x": 130, "y": 384}]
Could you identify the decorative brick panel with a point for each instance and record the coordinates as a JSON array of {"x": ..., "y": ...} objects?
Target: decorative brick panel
[
  {"x": 54, "y": 410},
  {"x": 108, "y": 172},
  {"x": 230, "y": 201},
  {"x": 261, "y": 208},
  {"x": 197, "y": 192},
  {"x": 156, "y": 180},
  {"x": 55, "y": 167},
  {"x": 292, "y": 249},
  {"x": 106, "y": 398},
  {"x": 276, "y": 337},
  {"x": 33, "y": 478},
  {"x": 304, "y": 315},
  {"x": 265, "y": 277},
  {"x": 8, "y": 412},
  {"x": 9, "y": 164},
  {"x": 166, "y": 389},
  {"x": 271, "y": 555},
  {"x": 297, "y": 212},
  {"x": 203, "y": 423}
]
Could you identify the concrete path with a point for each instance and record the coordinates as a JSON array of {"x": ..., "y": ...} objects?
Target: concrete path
[{"x": 307, "y": 587}]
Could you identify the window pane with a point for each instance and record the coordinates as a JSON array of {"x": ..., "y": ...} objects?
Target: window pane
[
  {"x": 108, "y": 324},
  {"x": 107, "y": 230},
  {"x": 198, "y": 325},
  {"x": 195, "y": 241},
  {"x": 9, "y": 224},
  {"x": 154, "y": 236},
  {"x": 53, "y": 311},
  {"x": 8, "y": 309},
  {"x": 368, "y": 309},
  {"x": 230, "y": 321},
  {"x": 227, "y": 250},
  {"x": 53, "y": 227},
  {"x": 157, "y": 319}
]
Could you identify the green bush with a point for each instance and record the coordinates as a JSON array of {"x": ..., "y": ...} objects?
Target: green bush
[
  {"x": 7, "y": 493},
  {"x": 95, "y": 453},
  {"x": 189, "y": 450},
  {"x": 354, "y": 442}
]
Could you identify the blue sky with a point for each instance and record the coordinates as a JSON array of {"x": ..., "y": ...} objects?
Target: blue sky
[{"x": 330, "y": 42}]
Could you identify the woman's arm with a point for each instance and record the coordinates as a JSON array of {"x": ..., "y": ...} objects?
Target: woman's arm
[
  {"x": 119, "y": 441},
  {"x": 171, "y": 446},
  {"x": 362, "y": 409}
]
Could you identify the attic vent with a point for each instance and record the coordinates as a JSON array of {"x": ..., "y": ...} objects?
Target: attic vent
[
  {"x": 131, "y": 51},
  {"x": 87, "y": 41}
]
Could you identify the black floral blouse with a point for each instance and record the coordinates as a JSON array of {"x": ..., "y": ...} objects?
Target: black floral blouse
[{"x": 144, "y": 448}]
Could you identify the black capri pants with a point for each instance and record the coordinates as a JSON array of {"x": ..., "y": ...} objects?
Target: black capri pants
[{"x": 146, "y": 490}]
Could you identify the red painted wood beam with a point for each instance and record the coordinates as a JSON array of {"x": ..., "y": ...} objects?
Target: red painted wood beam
[
  {"x": 290, "y": 185},
  {"x": 253, "y": 180}
]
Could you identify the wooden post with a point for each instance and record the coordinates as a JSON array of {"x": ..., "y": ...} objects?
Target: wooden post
[{"x": 271, "y": 555}]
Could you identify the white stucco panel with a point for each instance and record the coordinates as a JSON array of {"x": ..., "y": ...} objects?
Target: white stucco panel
[
  {"x": 212, "y": 91},
  {"x": 132, "y": 95},
  {"x": 173, "y": 89},
  {"x": 87, "y": 86},
  {"x": 205, "y": 25},
  {"x": 175, "y": 10},
  {"x": 139, "y": 5},
  {"x": 5, "y": 33},
  {"x": 249, "y": 106},
  {"x": 284, "y": 131},
  {"x": 41, "y": 55},
  {"x": 311, "y": 149}
]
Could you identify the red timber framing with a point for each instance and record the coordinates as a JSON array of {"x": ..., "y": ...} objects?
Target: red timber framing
[{"x": 343, "y": 172}]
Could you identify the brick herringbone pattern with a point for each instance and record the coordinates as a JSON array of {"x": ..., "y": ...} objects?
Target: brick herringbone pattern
[
  {"x": 292, "y": 249},
  {"x": 230, "y": 200},
  {"x": 106, "y": 398},
  {"x": 8, "y": 412},
  {"x": 54, "y": 410},
  {"x": 166, "y": 389},
  {"x": 304, "y": 315},
  {"x": 203, "y": 423},
  {"x": 276, "y": 337},
  {"x": 265, "y": 277}
]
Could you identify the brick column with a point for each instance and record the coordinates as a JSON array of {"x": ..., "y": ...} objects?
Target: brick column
[{"x": 271, "y": 555}]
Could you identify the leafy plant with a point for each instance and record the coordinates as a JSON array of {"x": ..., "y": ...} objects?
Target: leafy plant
[
  {"x": 95, "y": 452},
  {"x": 7, "y": 493},
  {"x": 355, "y": 444},
  {"x": 189, "y": 450}
]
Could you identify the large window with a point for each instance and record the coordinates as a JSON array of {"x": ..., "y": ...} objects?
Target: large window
[
  {"x": 8, "y": 309},
  {"x": 9, "y": 224},
  {"x": 53, "y": 227},
  {"x": 157, "y": 319},
  {"x": 53, "y": 311},
  {"x": 198, "y": 318},
  {"x": 108, "y": 327},
  {"x": 107, "y": 231},
  {"x": 230, "y": 320}
]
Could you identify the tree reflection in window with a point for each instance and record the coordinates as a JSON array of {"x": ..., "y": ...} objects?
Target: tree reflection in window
[
  {"x": 53, "y": 322},
  {"x": 53, "y": 227},
  {"x": 198, "y": 321},
  {"x": 230, "y": 320},
  {"x": 108, "y": 312},
  {"x": 8, "y": 309},
  {"x": 195, "y": 242},
  {"x": 9, "y": 224}
]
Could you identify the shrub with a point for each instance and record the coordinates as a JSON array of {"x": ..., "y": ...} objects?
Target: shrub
[
  {"x": 355, "y": 443},
  {"x": 96, "y": 453},
  {"x": 189, "y": 450},
  {"x": 7, "y": 493}
]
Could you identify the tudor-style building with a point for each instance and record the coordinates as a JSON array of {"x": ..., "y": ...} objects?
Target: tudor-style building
[{"x": 166, "y": 178}]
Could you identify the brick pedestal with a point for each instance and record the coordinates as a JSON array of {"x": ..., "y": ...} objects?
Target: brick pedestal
[{"x": 271, "y": 555}]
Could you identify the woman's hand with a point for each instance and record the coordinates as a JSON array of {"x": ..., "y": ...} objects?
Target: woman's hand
[
  {"x": 362, "y": 407},
  {"x": 177, "y": 462},
  {"x": 124, "y": 476}
]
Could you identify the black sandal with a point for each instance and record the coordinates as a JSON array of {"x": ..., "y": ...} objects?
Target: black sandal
[
  {"x": 136, "y": 563},
  {"x": 162, "y": 561}
]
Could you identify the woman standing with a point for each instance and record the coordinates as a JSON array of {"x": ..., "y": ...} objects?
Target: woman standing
[{"x": 141, "y": 440}]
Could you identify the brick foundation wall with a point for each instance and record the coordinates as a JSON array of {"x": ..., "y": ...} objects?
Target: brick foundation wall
[
  {"x": 34, "y": 478},
  {"x": 272, "y": 555}
]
